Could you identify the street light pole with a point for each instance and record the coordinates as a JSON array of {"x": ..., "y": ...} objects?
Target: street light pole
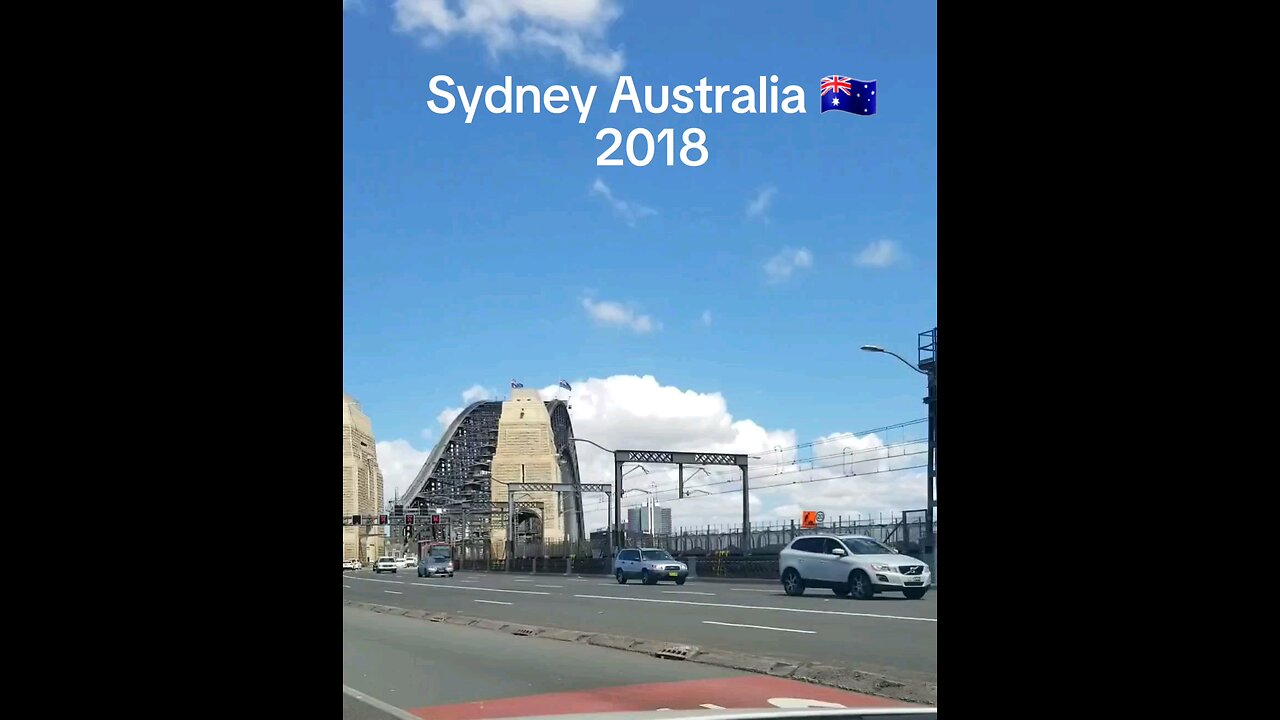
[{"x": 929, "y": 368}]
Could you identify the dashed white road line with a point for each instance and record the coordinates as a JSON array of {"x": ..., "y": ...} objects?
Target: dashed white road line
[
  {"x": 523, "y": 580},
  {"x": 753, "y": 590},
  {"x": 685, "y": 592},
  {"x": 483, "y": 589},
  {"x": 393, "y": 582},
  {"x": 459, "y": 587},
  {"x": 492, "y": 602},
  {"x": 393, "y": 592},
  {"x": 347, "y": 586},
  {"x": 550, "y": 586},
  {"x": 757, "y": 607},
  {"x": 758, "y": 627}
]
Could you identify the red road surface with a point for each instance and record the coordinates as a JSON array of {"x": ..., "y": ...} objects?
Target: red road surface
[{"x": 758, "y": 691}]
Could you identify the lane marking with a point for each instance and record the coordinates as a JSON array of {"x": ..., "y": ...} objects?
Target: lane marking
[
  {"x": 550, "y": 586},
  {"x": 757, "y": 607},
  {"x": 393, "y": 582},
  {"x": 758, "y": 627},
  {"x": 491, "y": 602},
  {"x": 753, "y": 590},
  {"x": 393, "y": 592},
  {"x": 459, "y": 587},
  {"x": 347, "y": 586},
  {"x": 709, "y": 706},
  {"x": 391, "y": 710},
  {"x": 685, "y": 592},
  {"x": 522, "y": 580},
  {"x": 482, "y": 589}
]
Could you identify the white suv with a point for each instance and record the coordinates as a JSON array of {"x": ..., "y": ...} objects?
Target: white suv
[
  {"x": 850, "y": 564},
  {"x": 386, "y": 563}
]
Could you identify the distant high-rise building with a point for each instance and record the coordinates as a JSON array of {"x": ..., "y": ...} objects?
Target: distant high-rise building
[
  {"x": 638, "y": 519},
  {"x": 361, "y": 483}
]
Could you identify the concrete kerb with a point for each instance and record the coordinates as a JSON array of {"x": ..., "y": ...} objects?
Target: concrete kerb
[{"x": 816, "y": 673}]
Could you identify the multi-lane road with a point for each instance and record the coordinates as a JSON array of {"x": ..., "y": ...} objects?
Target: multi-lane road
[
  {"x": 889, "y": 635},
  {"x": 403, "y": 668}
]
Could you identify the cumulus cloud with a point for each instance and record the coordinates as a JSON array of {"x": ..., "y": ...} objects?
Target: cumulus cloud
[
  {"x": 630, "y": 212},
  {"x": 475, "y": 393},
  {"x": 574, "y": 29},
  {"x": 706, "y": 318},
  {"x": 640, "y": 413},
  {"x": 782, "y": 266},
  {"x": 758, "y": 208},
  {"x": 400, "y": 462},
  {"x": 608, "y": 312},
  {"x": 879, "y": 254}
]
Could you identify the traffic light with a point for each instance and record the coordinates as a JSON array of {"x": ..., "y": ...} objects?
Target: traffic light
[
  {"x": 382, "y": 519},
  {"x": 435, "y": 519},
  {"x": 355, "y": 519},
  {"x": 408, "y": 531},
  {"x": 399, "y": 510},
  {"x": 408, "y": 519}
]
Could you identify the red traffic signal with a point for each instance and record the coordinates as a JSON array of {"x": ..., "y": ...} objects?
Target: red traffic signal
[
  {"x": 382, "y": 519},
  {"x": 435, "y": 519},
  {"x": 408, "y": 519}
]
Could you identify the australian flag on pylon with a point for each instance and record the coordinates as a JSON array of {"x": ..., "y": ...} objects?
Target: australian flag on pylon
[
  {"x": 515, "y": 384},
  {"x": 848, "y": 95},
  {"x": 565, "y": 384}
]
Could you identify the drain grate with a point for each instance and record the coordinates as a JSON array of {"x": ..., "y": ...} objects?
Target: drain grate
[
  {"x": 522, "y": 631},
  {"x": 676, "y": 652},
  {"x": 439, "y": 618}
]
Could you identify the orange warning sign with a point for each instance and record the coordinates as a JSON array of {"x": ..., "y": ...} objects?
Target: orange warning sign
[{"x": 808, "y": 518}]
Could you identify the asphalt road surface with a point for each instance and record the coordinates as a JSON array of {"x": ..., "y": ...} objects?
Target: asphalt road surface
[
  {"x": 394, "y": 667},
  {"x": 889, "y": 635}
]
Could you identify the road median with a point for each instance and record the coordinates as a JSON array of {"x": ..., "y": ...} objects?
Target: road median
[{"x": 817, "y": 673}]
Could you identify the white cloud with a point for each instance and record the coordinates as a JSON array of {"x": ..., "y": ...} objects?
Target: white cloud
[
  {"x": 780, "y": 267},
  {"x": 400, "y": 463},
  {"x": 608, "y": 312},
  {"x": 475, "y": 393},
  {"x": 759, "y": 205},
  {"x": 879, "y": 254},
  {"x": 630, "y": 212},
  {"x": 639, "y": 413},
  {"x": 575, "y": 29},
  {"x": 706, "y": 318},
  {"x": 353, "y": 4}
]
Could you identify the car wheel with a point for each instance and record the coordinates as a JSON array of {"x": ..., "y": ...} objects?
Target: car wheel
[
  {"x": 680, "y": 581},
  {"x": 450, "y": 574},
  {"x": 393, "y": 572},
  {"x": 860, "y": 585},
  {"x": 841, "y": 590},
  {"x": 792, "y": 583},
  {"x": 622, "y": 579},
  {"x": 646, "y": 578},
  {"x": 915, "y": 593}
]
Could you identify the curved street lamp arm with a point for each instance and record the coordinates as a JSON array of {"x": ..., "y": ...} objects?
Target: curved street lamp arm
[
  {"x": 904, "y": 361},
  {"x": 590, "y": 442}
]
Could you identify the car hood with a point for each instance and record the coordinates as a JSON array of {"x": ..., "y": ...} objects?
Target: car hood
[{"x": 891, "y": 559}]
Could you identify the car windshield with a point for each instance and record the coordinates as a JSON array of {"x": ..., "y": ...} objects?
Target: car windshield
[
  {"x": 655, "y": 555},
  {"x": 386, "y": 559},
  {"x": 865, "y": 546},
  {"x": 440, "y": 553}
]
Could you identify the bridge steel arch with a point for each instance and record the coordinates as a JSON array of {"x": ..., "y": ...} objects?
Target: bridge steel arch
[{"x": 460, "y": 466}]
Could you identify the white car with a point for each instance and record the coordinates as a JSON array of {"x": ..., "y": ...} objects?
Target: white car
[
  {"x": 351, "y": 565},
  {"x": 850, "y": 565},
  {"x": 386, "y": 563},
  {"x": 408, "y": 561}
]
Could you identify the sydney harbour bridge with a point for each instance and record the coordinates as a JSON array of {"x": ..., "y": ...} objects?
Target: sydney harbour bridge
[{"x": 493, "y": 443}]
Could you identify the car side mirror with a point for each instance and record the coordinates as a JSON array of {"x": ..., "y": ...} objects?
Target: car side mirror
[{"x": 838, "y": 551}]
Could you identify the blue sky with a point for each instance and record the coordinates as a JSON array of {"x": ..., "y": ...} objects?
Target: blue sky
[{"x": 476, "y": 253}]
